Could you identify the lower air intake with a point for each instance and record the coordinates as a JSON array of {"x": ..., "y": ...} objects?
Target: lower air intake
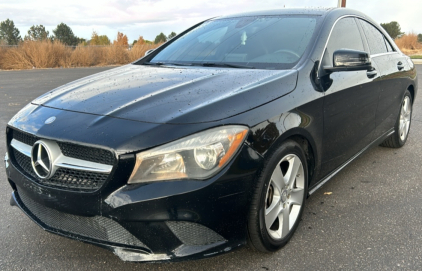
[
  {"x": 97, "y": 227},
  {"x": 193, "y": 234}
]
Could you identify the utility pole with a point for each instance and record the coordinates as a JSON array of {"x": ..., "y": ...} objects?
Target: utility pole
[{"x": 341, "y": 3}]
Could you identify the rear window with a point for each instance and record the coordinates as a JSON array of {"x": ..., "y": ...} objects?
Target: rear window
[
  {"x": 389, "y": 47},
  {"x": 375, "y": 39}
]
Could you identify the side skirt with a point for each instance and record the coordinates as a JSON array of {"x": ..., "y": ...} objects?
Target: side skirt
[{"x": 376, "y": 142}]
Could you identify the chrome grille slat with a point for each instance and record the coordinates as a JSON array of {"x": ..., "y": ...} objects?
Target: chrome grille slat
[{"x": 21, "y": 147}]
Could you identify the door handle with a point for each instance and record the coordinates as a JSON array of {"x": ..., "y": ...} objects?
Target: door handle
[
  {"x": 400, "y": 66},
  {"x": 372, "y": 73}
]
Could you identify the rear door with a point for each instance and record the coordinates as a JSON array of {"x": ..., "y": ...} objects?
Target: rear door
[
  {"x": 349, "y": 103},
  {"x": 392, "y": 66}
]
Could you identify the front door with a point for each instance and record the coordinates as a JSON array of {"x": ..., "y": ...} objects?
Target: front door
[{"x": 350, "y": 101}]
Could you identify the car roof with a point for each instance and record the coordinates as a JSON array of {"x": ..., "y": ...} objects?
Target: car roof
[
  {"x": 319, "y": 11},
  {"x": 284, "y": 11}
]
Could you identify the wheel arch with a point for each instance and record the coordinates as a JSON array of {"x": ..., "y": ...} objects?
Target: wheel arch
[
  {"x": 411, "y": 89},
  {"x": 306, "y": 141}
]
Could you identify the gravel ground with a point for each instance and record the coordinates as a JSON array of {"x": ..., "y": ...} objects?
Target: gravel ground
[{"x": 371, "y": 221}]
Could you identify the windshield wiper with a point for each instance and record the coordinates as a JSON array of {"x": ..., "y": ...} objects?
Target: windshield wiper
[
  {"x": 166, "y": 63},
  {"x": 153, "y": 63},
  {"x": 205, "y": 64},
  {"x": 218, "y": 64}
]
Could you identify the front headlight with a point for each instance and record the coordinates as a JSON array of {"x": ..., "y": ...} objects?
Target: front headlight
[{"x": 198, "y": 156}]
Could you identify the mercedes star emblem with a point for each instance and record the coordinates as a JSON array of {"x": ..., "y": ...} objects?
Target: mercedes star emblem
[{"x": 41, "y": 160}]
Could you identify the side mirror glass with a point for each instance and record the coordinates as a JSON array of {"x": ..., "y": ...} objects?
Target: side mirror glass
[
  {"x": 349, "y": 60},
  {"x": 149, "y": 52}
]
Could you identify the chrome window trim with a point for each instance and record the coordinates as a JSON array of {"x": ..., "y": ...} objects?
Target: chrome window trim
[
  {"x": 383, "y": 54},
  {"x": 329, "y": 36},
  {"x": 64, "y": 161},
  {"x": 362, "y": 18}
]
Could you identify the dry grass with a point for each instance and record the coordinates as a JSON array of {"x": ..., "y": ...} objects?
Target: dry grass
[
  {"x": 84, "y": 56},
  {"x": 2, "y": 53},
  {"x": 117, "y": 55},
  {"x": 409, "y": 44},
  {"x": 45, "y": 54},
  {"x": 32, "y": 54},
  {"x": 139, "y": 50}
]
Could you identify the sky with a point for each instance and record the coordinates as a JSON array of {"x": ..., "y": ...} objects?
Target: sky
[{"x": 148, "y": 18}]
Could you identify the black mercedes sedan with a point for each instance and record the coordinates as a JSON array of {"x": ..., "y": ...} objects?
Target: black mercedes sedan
[{"x": 213, "y": 140}]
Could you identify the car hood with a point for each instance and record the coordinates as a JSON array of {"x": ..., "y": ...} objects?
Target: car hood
[{"x": 171, "y": 94}]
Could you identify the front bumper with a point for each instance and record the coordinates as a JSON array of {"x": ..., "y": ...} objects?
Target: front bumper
[{"x": 147, "y": 222}]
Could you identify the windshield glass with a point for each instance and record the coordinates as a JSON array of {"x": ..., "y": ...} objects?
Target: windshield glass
[{"x": 265, "y": 42}]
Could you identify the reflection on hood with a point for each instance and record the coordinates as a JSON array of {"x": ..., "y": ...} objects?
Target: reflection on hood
[{"x": 171, "y": 95}]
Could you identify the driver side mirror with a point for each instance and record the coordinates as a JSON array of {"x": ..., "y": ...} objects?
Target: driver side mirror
[{"x": 350, "y": 60}]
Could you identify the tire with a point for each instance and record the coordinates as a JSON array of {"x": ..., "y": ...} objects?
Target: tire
[
  {"x": 272, "y": 203},
  {"x": 402, "y": 126}
]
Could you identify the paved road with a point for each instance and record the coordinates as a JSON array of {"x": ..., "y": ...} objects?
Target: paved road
[{"x": 371, "y": 221}]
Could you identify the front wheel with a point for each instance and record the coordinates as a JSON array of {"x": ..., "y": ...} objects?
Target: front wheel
[
  {"x": 402, "y": 127},
  {"x": 279, "y": 198}
]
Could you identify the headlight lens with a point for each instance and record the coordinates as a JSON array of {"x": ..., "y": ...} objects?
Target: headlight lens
[{"x": 197, "y": 156}]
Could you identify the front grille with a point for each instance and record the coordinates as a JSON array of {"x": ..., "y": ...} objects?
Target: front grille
[
  {"x": 70, "y": 179},
  {"x": 28, "y": 139},
  {"x": 91, "y": 154},
  {"x": 193, "y": 234},
  {"x": 97, "y": 227},
  {"x": 87, "y": 153}
]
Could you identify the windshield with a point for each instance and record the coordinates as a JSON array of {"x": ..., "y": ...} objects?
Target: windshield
[{"x": 266, "y": 42}]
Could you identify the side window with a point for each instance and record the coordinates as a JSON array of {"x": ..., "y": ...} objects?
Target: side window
[
  {"x": 375, "y": 39},
  {"x": 389, "y": 47},
  {"x": 345, "y": 35}
]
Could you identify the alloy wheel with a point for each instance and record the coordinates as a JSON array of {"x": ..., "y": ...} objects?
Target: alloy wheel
[
  {"x": 405, "y": 114},
  {"x": 284, "y": 198}
]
